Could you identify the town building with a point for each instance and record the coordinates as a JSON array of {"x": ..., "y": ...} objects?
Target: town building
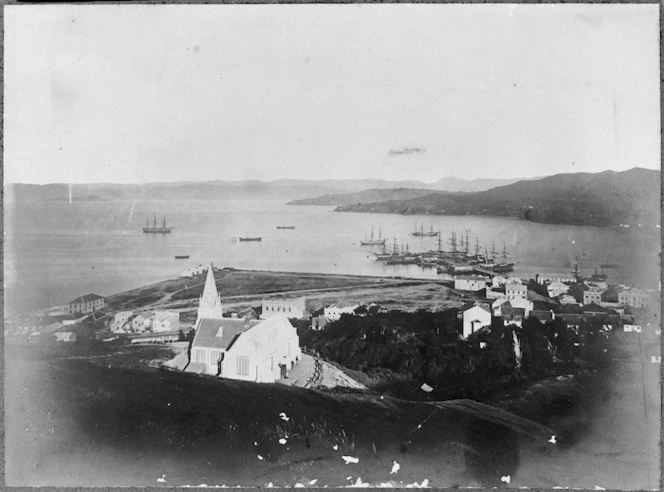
[
  {"x": 593, "y": 295},
  {"x": 261, "y": 351},
  {"x": 164, "y": 321},
  {"x": 632, "y": 328},
  {"x": 518, "y": 302},
  {"x": 335, "y": 311},
  {"x": 87, "y": 303},
  {"x": 65, "y": 336},
  {"x": 475, "y": 315},
  {"x": 567, "y": 299},
  {"x": 513, "y": 315},
  {"x": 542, "y": 315},
  {"x": 471, "y": 283},
  {"x": 496, "y": 293},
  {"x": 120, "y": 319},
  {"x": 515, "y": 290},
  {"x": 319, "y": 322},
  {"x": 556, "y": 289},
  {"x": 498, "y": 281},
  {"x": 291, "y": 308},
  {"x": 631, "y": 296},
  {"x": 141, "y": 322}
]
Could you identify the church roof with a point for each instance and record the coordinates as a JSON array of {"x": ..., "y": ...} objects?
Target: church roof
[{"x": 206, "y": 333}]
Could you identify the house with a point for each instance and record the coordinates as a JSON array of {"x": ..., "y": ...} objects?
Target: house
[
  {"x": 556, "y": 289},
  {"x": 65, "y": 336},
  {"x": 160, "y": 337},
  {"x": 475, "y": 315},
  {"x": 319, "y": 322},
  {"x": 515, "y": 290},
  {"x": 141, "y": 322},
  {"x": 496, "y": 293},
  {"x": 120, "y": 319},
  {"x": 471, "y": 283},
  {"x": 335, "y": 311},
  {"x": 261, "y": 351},
  {"x": 87, "y": 303},
  {"x": 593, "y": 295},
  {"x": 576, "y": 291},
  {"x": 632, "y": 328},
  {"x": 248, "y": 313},
  {"x": 513, "y": 315},
  {"x": 542, "y": 315},
  {"x": 524, "y": 304},
  {"x": 631, "y": 296},
  {"x": 566, "y": 299},
  {"x": 164, "y": 321},
  {"x": 498, "y": 281},
  {"x": 291, "y": 308}
]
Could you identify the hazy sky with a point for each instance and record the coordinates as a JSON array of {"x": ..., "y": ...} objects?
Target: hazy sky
[{"x": 108, "y": 93}]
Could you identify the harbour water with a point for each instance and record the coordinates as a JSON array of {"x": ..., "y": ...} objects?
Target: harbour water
[{"x": 55, "y": 251}]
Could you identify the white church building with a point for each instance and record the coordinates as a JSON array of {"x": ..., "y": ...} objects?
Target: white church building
[{"x": 261, "y": 351}]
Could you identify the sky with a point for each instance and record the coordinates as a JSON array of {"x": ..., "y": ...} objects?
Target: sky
[{"x": 144, "y": 93}]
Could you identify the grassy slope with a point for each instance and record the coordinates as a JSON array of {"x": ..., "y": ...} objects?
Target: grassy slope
[{"x": 105, "y": 424}]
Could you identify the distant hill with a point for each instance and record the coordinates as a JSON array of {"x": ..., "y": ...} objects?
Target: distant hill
[
  {"x": 602, "y": 199},
  {"x": 375, "y": 195},
  {"x": 286, "y": 189}
]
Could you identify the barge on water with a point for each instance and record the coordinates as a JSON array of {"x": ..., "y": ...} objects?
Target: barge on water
[{"x": 247, "y": 239}]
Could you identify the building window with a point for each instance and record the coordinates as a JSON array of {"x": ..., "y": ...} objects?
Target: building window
[
  {"x": 199, "y": 356},
  {"x": 243, "y": 365}
]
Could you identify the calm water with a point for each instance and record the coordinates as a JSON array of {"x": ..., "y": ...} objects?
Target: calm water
[{"x": 55, "y": 251}]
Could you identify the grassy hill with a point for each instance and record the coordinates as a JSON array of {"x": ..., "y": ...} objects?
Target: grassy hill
[
  {"x": 601, "y": 199},
  {"x": 83, "y": 418}
]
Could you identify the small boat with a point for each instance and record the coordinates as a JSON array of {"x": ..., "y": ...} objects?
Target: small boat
[
  {"x": 246, "y": 239},
  {"x": 285, "y": 227},
  {"x": 181, "y": 257}
]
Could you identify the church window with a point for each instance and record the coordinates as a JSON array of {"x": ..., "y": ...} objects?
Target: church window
[{"x": 243, "y": 365}]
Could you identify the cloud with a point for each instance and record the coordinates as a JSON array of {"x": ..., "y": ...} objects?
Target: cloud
[{"x": 407, "y": 150}]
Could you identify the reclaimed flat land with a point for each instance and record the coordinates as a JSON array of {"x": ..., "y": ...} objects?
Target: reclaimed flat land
[{"x": 240, "y": 289}]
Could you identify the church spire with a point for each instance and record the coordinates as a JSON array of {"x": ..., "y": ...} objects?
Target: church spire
[{"x": 209, "y": 305}]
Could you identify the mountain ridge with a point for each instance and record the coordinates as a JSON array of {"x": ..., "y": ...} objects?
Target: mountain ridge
[{"x": 602, "y": 199}]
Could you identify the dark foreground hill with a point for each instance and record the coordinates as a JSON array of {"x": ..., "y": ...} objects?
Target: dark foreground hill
[
  {"x": 77, "y": 422},
  {"x": 602, "y": 199}
]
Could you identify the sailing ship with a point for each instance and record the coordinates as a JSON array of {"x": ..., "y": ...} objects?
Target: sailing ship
[
  {"x": 370, "y": 241},
  {"x": 154, "y": 229},
  {"x": 421, "y": 232}
]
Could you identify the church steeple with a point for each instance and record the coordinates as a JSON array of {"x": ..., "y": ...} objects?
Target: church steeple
[{"x": 209, "y": 305}]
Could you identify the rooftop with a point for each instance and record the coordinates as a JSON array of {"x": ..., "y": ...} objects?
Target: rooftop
[{"x": 85, "y": 298}]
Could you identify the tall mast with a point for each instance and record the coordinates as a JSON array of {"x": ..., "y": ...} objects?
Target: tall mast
[
  {"x": 477, "y": 246},
  {"x": 164, "y": 221},
  {"x": 154, "y": 222}
]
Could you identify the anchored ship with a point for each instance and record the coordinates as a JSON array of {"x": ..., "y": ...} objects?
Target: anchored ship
[
  {"x": 421, "y": 232},
  {"x": 154, "y": 229},
  {"x": 370, "y": 241}
]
